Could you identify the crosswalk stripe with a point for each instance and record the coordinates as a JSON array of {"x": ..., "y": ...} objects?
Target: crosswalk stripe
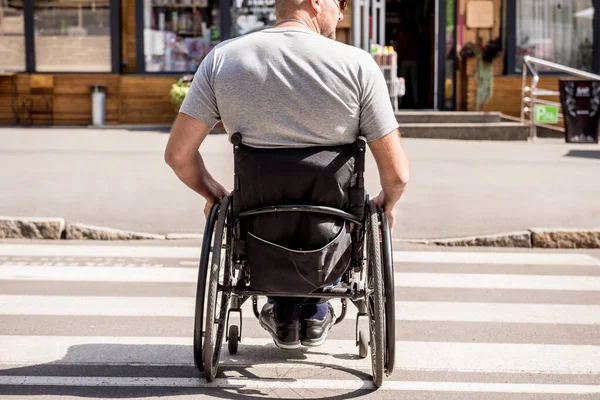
[
  {"x": 414, "y": 356},
  {"x": 68, "y": 250},
  {"x": 298, "y": 384},
  {"x": 494, "y": 258},
  {"x": 497, "y": 281},
  {"x": 27, "y": 250},
  {"x": 405, "y": 310},
  {"x": 401, "y": 279},
  {"x": 99, "y": 274}
]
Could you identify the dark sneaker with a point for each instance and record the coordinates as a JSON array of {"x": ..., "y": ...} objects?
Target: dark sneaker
[
  {"x": 314, "y": 331},
  {"x": 286, "y": 335}
]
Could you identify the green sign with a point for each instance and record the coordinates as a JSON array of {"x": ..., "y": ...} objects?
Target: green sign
[{"x": 545, "y": 114}]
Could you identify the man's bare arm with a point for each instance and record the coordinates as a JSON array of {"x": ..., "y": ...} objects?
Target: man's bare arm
[
  {"x": 183, "y": 156},
  {"x": 394, "y": 171}
]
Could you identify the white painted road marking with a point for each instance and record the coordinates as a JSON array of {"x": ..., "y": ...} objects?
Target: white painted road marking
[
  {"x": 414, "y": 356},
  {"x": 30, "y": 250},
  {"x": 298, "y": 384},
  {"x": 494, "y": 258},
  {"x": 405, "y": 310},
  {"x": 497, "y": 281},
  {"x": 401, "y": 279},
  {"x": 99, "y": 274}
]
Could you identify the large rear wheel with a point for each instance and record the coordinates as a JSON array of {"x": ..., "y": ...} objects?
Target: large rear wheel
[
  {"x": 375, "y": 296},
  {"x": 219, "y": 291},
  {"x": 389, "y": 292},
  {"x": 205, "y": 255}
]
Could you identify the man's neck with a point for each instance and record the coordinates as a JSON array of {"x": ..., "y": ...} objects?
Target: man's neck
[{"x": 297, "y": 22}]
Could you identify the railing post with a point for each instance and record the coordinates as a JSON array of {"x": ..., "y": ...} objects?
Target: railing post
[
  {"x": 523, "y": 87},
  {"x": 532, "y": 91}
]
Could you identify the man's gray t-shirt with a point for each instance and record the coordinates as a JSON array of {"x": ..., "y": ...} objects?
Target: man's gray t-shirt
[{"x": 291, "y": 87}]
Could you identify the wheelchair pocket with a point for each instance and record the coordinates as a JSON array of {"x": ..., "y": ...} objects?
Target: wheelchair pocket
[{"x": 274, "y": 268}]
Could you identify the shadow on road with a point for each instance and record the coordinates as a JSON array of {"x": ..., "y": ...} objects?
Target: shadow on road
[
  {"x": 584, "y": 154},
  {"x": 68, "y": 376}
]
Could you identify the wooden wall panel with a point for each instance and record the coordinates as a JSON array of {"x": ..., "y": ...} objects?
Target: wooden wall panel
[
  {"x": 71, "y": 98},
  {"x": 10, "y": 98},
  {"x": 146, "y": 86},
  {"x": 146, "y": 100},
  {"x": 80, "y": 84},
  {"x": 507, "y": 93}
]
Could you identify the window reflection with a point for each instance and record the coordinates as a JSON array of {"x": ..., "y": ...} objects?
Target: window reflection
[
  {"x": 178, "y": 34},
  {"x": 12, "y": 35},
  {"x": 556, "y": 30},
  {"x": 72, "y": 36},
  {"x": 252, "y": 15}
]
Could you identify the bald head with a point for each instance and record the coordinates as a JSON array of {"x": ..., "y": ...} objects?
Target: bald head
[
  {"x": 290, "y": 8},
  {"x": 320, "y": 16}
]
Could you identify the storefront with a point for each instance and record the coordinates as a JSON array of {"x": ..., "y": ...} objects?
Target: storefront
[
  {"x": 566, "y": 32},
  {"x": 53, "y": 51}
]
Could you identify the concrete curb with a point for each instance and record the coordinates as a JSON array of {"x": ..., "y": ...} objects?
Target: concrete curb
[
  {"x": 566, "y": 238},
  {"x": 57, "y": 229},
  {"x": 31, "y": 228},
  {"x": 511, "y": 239},
  {"x": 92, "y": 232}
]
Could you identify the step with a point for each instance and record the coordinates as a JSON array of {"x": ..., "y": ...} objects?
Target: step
[
  {"x": 426, "y": 117},
  {"x": 542, "y": 131},
  {"x": 467, "y": 131}
]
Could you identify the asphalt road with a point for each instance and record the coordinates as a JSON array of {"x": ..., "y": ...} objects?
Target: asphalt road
[
  {"x": 117, "y": 178},
  {"x": 113, "y": 320}
]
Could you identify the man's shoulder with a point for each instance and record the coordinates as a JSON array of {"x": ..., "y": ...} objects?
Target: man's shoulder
[{"x": 351, "y": 53}]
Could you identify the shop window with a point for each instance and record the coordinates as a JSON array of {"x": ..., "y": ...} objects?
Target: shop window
[
  {"x": 72, "y": 36},
  {"x": 178, "y": 34},
  {"x": 252, "y": 15},
  {"x": 561, "y": 31},
  {"x": 12, "y": 35}
]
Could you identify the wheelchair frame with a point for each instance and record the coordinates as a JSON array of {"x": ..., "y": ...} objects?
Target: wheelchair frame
[{"x": 222, "y": 281}]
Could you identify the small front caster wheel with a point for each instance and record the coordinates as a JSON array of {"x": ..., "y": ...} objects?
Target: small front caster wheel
[
  {"x": 363, "y": 343},
  {"x": 234, "y": 338}
]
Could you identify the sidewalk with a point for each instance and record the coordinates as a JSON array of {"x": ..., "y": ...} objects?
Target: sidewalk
[{"x": 117, "y": 178}]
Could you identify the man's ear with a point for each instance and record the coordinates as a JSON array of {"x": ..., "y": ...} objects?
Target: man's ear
[{"x": 316, "y": 5}]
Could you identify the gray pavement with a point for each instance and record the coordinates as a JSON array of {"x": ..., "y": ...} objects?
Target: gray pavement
[
  {"x": 479, "y": 324},
  {"x": 117, "y": 178}
]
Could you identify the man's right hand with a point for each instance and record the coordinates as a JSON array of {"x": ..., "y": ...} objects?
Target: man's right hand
[
  {"x": 221, "y": 193},
  {"x": 379, "y": 201}
]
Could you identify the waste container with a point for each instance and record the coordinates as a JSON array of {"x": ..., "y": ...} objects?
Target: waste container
[
  {"x": 580, "y": 100},
  {"x": 98, "y": 104}
]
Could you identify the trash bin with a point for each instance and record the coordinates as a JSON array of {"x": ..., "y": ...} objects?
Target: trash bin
[
  {"x": 98, "y": 104},
  {"x": 580, "y": 100}
]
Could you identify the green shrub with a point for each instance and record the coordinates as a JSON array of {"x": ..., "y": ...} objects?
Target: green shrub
[{"x": 180, "y": 89}]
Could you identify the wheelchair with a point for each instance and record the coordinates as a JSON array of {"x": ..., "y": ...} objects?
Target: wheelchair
[{"x": 352, "y": 262}]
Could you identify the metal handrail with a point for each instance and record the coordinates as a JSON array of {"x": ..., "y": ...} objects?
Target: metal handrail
[{"x": 530, "y": 95}]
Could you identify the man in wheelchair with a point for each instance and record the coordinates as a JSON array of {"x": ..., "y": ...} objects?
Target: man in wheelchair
[{"x": 290, "y": 86}]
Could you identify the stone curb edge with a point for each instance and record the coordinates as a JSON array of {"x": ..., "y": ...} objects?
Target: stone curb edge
[{"x": 59, "y": 229}]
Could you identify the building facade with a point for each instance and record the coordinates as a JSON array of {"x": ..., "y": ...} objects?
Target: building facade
[{"x": 52, "y": 52}]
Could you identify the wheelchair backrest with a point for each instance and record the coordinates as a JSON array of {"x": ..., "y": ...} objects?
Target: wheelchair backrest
[
  {"x": 329, "y": 176},
  {"x": 297, "y": 249}
]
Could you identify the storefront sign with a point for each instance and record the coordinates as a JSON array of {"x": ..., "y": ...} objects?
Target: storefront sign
[
  {"x": 480, "y": 14},
  {"x": 545, "y": 114},
  {"x": 581, "y": 108}
]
